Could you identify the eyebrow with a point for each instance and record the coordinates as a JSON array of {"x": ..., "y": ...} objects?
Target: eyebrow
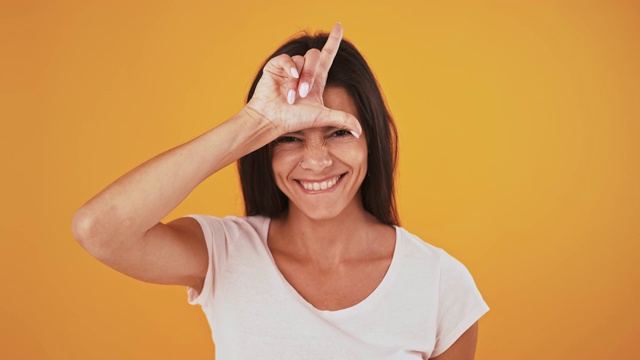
[{"x": 324, "y": 129}]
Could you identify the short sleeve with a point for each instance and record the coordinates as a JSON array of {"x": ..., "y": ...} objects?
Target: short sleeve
[
  {"x": 214, "y": 235},
  {"x": 460, "y": 304}
]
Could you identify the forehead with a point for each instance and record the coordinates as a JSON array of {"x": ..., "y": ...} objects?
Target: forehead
[{"x": 338, "y": 98}]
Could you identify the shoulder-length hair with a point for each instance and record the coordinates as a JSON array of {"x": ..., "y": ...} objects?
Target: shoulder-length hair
[{"x": 351, "y": 72}]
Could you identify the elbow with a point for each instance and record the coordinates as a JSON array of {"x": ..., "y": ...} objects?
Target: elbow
[
  {"x": 85, "y": 230},
  {"x": 81, "y": 225}
]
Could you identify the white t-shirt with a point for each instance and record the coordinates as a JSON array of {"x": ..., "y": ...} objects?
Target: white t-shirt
[{"x": 426, "y": 300}]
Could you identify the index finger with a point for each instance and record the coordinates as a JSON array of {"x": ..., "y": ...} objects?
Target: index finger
[{"x": 328, "y": 52}]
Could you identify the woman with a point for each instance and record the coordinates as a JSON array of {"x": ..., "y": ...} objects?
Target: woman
[{"x": 319, "y": 268}]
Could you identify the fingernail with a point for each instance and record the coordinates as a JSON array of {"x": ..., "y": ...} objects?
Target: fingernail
[
  {"x": 304, "y": 89},
  {"x": 294, "y": 72},
  {"x": 355, "y": 134},
  {"x": 291, "y": 96}
]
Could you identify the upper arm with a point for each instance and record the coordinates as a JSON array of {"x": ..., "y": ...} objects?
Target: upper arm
[
  {"x": 464, "y": 348},
  {"x": 174, "y": 254}
]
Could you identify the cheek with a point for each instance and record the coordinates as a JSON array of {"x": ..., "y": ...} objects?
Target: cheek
[
  {"x": 283, "y": 161},
  {"x": 281, "y": 158},
  {"x": 351, "y": 153}
]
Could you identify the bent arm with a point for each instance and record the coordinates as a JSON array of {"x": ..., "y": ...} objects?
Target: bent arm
[
  {"x": 114, "y": 224},
  {"x": 121, "y": 225}
]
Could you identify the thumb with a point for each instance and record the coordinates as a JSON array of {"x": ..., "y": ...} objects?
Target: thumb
[{"x": 344, "y": 120}]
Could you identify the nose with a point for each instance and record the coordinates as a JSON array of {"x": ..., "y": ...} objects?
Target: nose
[{"x": 316, "y": 157}]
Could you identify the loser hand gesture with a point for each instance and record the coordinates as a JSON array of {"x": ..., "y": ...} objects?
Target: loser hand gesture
[{"x": 289, "y": 93}]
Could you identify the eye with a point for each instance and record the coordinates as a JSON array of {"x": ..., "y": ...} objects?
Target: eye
[
  {"x": 286, "y": 139},
  {"x": 341, "y": 133}
]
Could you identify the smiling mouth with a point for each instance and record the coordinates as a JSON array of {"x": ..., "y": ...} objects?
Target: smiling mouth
[{"x": 322, "y": 185}]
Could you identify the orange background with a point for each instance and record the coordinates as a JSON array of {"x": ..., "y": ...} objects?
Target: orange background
[{"x": 519, "y": 125}]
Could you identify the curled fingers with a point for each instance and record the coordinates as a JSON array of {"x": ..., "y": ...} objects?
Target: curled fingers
[
  {"x": 309, "y": 72},
  {"x": 299, "y": 62},
  {"x": 285, "y": 72}
]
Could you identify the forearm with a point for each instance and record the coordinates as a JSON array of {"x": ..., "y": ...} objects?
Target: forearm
[{"x": 140, "y": 199}]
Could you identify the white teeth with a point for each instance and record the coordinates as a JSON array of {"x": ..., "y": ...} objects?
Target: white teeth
[{"x": 320, "y": 186}]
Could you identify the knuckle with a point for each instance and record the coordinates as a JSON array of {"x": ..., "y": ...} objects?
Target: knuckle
[
  {"x": 280, "y": 60},
  {"x": 313, "y": 52},
  {"x": 273, "y": 62},
  {"x": 330, "y": 51},
  {"x": 307, "y": 73}
]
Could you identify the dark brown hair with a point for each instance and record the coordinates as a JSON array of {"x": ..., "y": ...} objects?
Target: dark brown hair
[{"x": 351, "y": 72}]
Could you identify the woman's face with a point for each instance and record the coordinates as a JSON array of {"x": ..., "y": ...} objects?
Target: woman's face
[{"x": 320, "y": 170}]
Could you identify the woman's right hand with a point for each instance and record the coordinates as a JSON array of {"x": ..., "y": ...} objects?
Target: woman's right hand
[{"x": 289, "y": 93}]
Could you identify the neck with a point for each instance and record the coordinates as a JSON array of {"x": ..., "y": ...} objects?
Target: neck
[{"x": 326, "y": 241}]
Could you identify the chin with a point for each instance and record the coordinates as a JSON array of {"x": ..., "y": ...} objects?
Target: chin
[
  {"x": 320, "y": 215},
  {"x": 323, "y": 216},
  {"x": 323, "y": 211}
]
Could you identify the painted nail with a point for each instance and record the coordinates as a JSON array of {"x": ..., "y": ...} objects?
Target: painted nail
[
  {"x": 355, "y": 134},
  {"x": 304, "y": 89},
  {"x": 294, "y": 72},
  {"x": 291, "y": 96}
]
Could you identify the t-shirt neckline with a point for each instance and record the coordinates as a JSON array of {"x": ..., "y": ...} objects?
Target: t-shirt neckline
[{"x": 363, "y": 304}]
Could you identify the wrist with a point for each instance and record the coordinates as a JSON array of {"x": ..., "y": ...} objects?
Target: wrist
[{"x": 258, "y": 123}]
